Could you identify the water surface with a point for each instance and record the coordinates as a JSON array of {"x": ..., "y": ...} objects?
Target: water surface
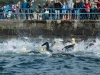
[{"x": 13, "y": 61}]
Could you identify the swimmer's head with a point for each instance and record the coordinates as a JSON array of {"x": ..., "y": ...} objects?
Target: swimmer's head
[
  {"x": 24, "y": 48},
  {"x": 94, "y": 40},
  {"x": 73, "y": 39}
]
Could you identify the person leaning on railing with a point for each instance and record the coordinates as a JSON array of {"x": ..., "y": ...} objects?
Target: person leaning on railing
[
  {"x": 70, "y": 7},
  {"x": 1, "y": 13},
  {"x": 64, "y": 10},
  {"x": 93, "y": 10},
  {"x": 39, "y": 11},
  {"x": 6, "y": 10},
  {"x": 57, "y": 8},
  {"x": 98, "y": 5},
  {"x": 18, "y": 6},
  {"x": 82, "y": 11},
  {"x": 31, "y": 4},
  {"x": 14, "y": 11},
  {"x": 24, "y": 8},
  {"x": 87, "y": 9},
  {"x": 46, "y": 12},
  {"x": 77, "y": 8},
  {"x": 49, "y": 5}
]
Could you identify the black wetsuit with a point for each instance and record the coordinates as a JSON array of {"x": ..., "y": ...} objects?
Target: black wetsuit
[
  {"x": 47, "y": 46},
  {"x": 69, "y": 46},
  {"x": 91, "y": 44},
  {"x": 34, "y": 52}
]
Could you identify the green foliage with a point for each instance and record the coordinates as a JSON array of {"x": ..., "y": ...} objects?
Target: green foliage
[{"x": 3, "y": 2}]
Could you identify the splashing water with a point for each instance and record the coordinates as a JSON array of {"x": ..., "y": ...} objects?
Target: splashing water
[
  {"x": 15, "y": 59},
  {"x": 24, "y": 45}
]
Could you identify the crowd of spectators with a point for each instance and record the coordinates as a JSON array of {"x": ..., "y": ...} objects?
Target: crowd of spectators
[{"x": 52, "y": 9}]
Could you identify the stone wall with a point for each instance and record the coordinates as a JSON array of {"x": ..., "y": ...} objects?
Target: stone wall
[{"x": 50, "y": 28}]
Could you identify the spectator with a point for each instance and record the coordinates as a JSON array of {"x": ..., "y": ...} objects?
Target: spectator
[
  {"x": 39, "y": 11},
  {"x": 46, "y": 12},
  {"x": 77, "y": 6},
  {"x": 93, "y": 9},
  {"x": 87, "y": 9},
  {"x": 31, "y": 8},
  {"x": 39, "y": 8},
  {"x": 24, "y": 6},
  {"x": 46, "y": 15},
  {"x": 82, "y": 3},
  {"x": 1, "y": 13},
  {"x": 19, "y": 4},
  {"x": 64, "y": 10},
  {"x": 70, "y": 7},
  {"x": 98, "y": 5},
  {"x": 6, "y": 10},
  {"x": 14, "y": 11},
  {"x": 44, "y": 7},
  {"x": 49, "y": 5},
  {"x": 18, "y": 9},
  {"x": 98, "y": 8},
  {"x": 57, "y": 6},
  {"x": 13, "y": 8}
]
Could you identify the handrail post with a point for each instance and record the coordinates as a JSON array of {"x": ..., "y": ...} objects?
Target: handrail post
[
  {"x": 50, "y": 13},
  {"x": 79, "y": 14}
]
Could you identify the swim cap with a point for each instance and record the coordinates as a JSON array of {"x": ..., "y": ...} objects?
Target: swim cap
[
  {"x": 73, "y": 39},
  {"x": 42, "y": 49},
  {"x": 24, "y": 48}
]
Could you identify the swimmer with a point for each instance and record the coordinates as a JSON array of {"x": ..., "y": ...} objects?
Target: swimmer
[
  {"x": 74, "y": 41},
  {"x": 71, "y": 45},
  {"x": 24, "y": 49},
  {"x": 92, "y": 44},
  {"x": 47, "y": 46},
  {"x": 56, "y": 44}
]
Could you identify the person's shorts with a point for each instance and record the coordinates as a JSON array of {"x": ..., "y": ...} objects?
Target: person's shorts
[
  {"x": 64, "y": 12},
  {"x": 76, "y": 12},
  {"x": 69, "y": 11}
]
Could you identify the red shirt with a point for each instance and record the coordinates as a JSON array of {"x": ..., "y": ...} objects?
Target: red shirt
[
  {"x": 98, "y": 5},
  {"x": 87, "y": 6}
]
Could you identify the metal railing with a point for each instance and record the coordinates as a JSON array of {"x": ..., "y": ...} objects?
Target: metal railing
[{"x": 51, "y": 14}]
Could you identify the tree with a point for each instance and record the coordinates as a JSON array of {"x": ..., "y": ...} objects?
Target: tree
[{"x": 3, "y": 2}]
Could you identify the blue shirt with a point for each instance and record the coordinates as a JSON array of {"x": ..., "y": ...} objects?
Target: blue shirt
[
  {"x": 64, "y": 6},
  {"x": 25, "y": 5},
  {"x": 6, "y": 8},
  {"x": 82, "y": 4}
]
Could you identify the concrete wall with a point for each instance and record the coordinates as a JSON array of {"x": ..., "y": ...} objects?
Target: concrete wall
[{"x": 47, "y": 28}]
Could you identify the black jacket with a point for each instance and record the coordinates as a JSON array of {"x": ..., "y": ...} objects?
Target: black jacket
[
  {"x": 57, "y": 5},
  {"x": 77, "y": 5}
]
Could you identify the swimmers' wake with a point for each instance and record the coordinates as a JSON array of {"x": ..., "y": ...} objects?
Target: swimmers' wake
[{"x": 56, "y": 47}]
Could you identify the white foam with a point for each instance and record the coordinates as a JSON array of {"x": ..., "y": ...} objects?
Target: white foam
[{"x": 23, "y": 46}]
